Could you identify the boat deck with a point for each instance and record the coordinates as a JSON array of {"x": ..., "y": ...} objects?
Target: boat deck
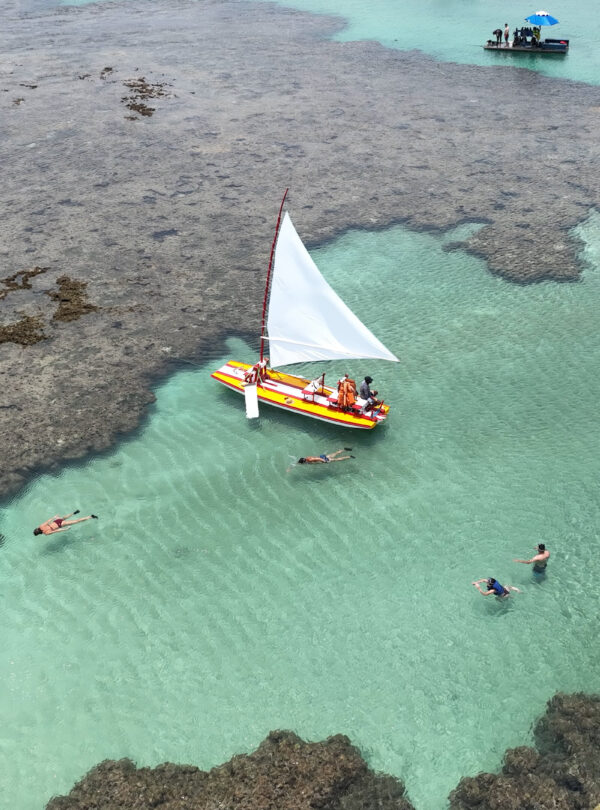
[{"x": 554, "y": 47}]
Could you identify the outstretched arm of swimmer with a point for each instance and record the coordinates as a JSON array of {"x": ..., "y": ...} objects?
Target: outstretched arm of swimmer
[
  {"x": 537, "y": 558},
  {"x": 483, "y": 593}
]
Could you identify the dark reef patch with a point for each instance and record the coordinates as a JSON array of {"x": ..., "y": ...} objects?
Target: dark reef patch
[
  {"x": 25, "y": 332},
  {"x": 19, "y": 281},
  {"x": 141, "y": 91},
  {"x": 71, "y": 299},
  {"x": 561, "y": 773},
  {"x": 284, "y": 773}
]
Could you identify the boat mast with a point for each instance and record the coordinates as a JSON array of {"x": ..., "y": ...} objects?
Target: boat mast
[{"x": 266, "y": 298}]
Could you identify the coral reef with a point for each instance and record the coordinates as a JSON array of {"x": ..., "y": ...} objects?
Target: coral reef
[
  {"x": 141, "y": 92},
  {"x": 27, "y": 331},
  {"x": 561, "y": 773},
  {"x": 71, "y": 299},
  {"x": 284, "y": 773},
  {"x": 11, "y": 283}
]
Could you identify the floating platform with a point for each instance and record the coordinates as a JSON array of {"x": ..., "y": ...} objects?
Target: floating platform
[{"x": 552, "y": 47}]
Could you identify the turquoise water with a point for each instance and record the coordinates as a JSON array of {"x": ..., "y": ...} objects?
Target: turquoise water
[
  {"x": 455, "y": 30},
  {"x": 219, "y": 596}
]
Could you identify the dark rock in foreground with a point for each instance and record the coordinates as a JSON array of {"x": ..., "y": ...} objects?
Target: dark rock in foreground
[
  {"x": 284, "y": 773},
  {"x": 561, "y": 773}
]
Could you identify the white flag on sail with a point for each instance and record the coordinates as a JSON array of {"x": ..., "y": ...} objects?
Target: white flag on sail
[{"x": 307, "y": 320}]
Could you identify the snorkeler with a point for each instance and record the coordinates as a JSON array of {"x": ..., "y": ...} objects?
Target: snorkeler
[
  {"x": 60, "y": 524},
  {"x": 540, "y": 560},
  {"x": 325, "y": 458},
  {"x": 495, "y": 588}
]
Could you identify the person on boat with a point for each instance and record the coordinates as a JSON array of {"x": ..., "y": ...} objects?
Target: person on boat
[
  {"x": 494, "y": 588},
  {"x": 370, "y": 397},
  {"x": 325, "y": 458},
  {"x": 60, "y": 524},
  {"x": 346, "y": 393},
  {"x": 506, "y": 34},
  {"x": 498, "y": 34},
  {"x": 539, "y": 560},
  {"x": 257, "y": 372}
]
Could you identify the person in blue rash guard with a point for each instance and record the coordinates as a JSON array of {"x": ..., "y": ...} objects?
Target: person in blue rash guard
[{"x": 494, "y": 588}]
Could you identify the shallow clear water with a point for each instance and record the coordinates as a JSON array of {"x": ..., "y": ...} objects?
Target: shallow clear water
[
  {"x": 456, "y": 30},
  {"x": 219, "y": 596}
]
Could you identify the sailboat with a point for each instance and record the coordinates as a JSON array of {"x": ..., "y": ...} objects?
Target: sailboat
[{"x": 304, "y": 320}]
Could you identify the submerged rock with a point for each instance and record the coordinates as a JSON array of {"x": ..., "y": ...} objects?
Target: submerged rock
[
  {"x": 561, "y": 773},
  {"x": 284, "y": 773}
]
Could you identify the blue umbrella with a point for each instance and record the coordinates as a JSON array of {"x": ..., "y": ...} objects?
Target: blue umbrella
[{"x": 541, "y": 18}]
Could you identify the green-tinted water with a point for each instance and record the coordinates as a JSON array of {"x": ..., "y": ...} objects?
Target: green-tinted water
[
  {"x": 456, "y": 30},
  {"x": 219, "y": 597}
]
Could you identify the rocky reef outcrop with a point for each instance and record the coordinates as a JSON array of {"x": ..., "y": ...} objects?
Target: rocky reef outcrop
[
  {"x": 284, "y": 773},
  {"x": 562, "y": 772}
]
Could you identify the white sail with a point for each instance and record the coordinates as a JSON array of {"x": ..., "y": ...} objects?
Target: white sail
[{"x": 307, "y": 320}]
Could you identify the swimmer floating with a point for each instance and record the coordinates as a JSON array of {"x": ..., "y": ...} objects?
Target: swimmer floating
[
  {"x": 60, "y": 524},
  {"x": 495, "y": 588}
]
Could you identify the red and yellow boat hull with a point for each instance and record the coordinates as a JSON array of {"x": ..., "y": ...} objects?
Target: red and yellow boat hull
[{"x": 290, "y": 393}]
